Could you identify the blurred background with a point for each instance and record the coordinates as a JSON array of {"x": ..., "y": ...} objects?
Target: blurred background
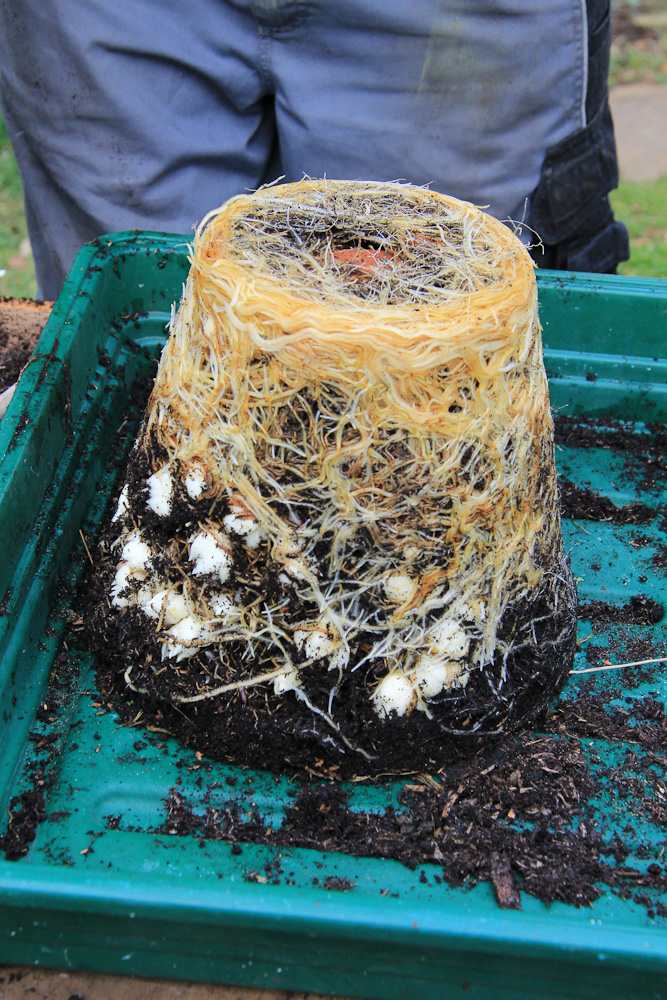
[{"x": 638, "y": 82}]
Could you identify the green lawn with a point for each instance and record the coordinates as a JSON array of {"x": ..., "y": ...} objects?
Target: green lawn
[
  {"x": 639, "y": 44},
  {"x": 642, "y": 206},
  {"x": 15, "y": 255}
]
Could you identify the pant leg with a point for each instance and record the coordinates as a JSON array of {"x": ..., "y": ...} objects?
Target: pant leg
[
  {"x": 570, "y": 208},
  {"x": 463, "y": 94},
  {"x": 470, "y": 96},
  {"x": 133, "y": 114}
]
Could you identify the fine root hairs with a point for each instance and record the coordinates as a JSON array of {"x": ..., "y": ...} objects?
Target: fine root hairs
[{"x": 350, "y": 424}]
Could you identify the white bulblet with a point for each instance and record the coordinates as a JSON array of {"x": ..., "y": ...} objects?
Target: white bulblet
[
  {"x": 394, "y": 694},
  {"x": 339, "y": 659},
  {"x": 242, "y": 523},
  {"x": 222, "y": 607},
  {"x": 136, "y": 553},
  {"x": 448, "y": 639},
  {"x": 209, "y": 556},
  {"x": 160, "y": 486},
  {"x": 318, "y": 644},
  {"x": 400, "y": 588},
  {"x": 171, "y": 604},
  {"x": 434, "y": 674},
  {"x": 125, "y": 574},
  {"x": 188, "y": 636},
  {"x": 195, "y": 482},
  {"x": 122, "y": 506},
  {"x": 288, "y": 681}
]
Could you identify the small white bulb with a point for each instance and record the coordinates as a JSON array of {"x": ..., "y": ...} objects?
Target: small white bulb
[
  {"x": 400, "y": 587},
  {"x": 191, "y": 630},
  {"x": 136, "y": 553},
  {"x": 300, "y": 637},
  {"x": 171, "y": 604},
  {"x": 209, "y": 556},
  {"x": 394, "y": 694},
  {"x": 289, "y": 681},
  {"x": 319, "y": 644},
  {"x": 339, "y": 659},
  {"x": 254, "y": 538},
  {"x": 241, "y": 522},
  {"x": 449, "y": 639},
  {"x": 195, "y": 481},
  {"x": 433, "y": 674},
  {"x": 222, "y": 607},
  {"x": 159, "y": 487},
  {"x": 125, "y": 574}
]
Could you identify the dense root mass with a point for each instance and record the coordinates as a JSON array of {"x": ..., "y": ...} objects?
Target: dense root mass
[{"x": 339, "y": 537}]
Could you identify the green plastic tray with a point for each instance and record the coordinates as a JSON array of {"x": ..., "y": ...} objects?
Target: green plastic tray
[{"x": 88, "y": 896}]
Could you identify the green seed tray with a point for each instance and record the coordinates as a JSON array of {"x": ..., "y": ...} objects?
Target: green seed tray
[{"x": 99, "y": 888}]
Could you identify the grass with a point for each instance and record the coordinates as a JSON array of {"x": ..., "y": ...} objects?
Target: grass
[
  {"x": 639, "y": 44},
  {"x": 642, "y": 206},
  {"x": 639, "y": 64},
  {"x": 15, "y": 255}
]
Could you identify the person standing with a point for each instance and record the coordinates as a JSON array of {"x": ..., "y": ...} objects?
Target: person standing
[{"x": 146, "y": 114}]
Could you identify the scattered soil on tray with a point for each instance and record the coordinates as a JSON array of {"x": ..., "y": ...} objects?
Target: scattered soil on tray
[
  {"x": 582, "y": 503},
  {"x": 519, "y": 815},
  {"x": 29, "y": 808},
  {"x": 639, "y": 610},
  {"x": 645, "y": 453},
  {"x": 26, "y": 812}
]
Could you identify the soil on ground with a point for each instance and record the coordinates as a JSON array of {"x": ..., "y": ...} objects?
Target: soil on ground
[{"x": 21, "y": 322}]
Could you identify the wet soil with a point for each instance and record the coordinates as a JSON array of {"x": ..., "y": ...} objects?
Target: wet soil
[
  {"x": 583, "y": 503},
  {"x": 257, "y": 728},
  {"x": 639, "y": 610}
]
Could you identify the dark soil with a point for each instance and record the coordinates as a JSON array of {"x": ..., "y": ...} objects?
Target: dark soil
[
  {"x": 29, "y": 808},
  {"x": 582, "y": 503},
  {"x": 519, "y": 815},
  {"x": 21, "y": 322},
  {"x": 645, "y": 453},
  {"x": 26, "y": 812},
  {"x": 639, "y": 610},
  {"x": 268, "y": 731}
]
